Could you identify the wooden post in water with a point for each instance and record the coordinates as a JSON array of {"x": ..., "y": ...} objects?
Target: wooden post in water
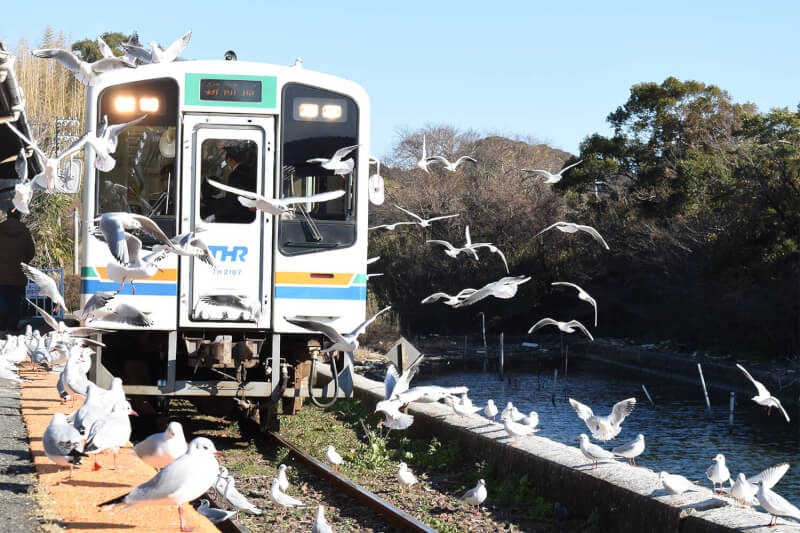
[
  {"x": 500, "y": 360},
  {"x": 730, "y": 414},
  {"x": 555, "y": 380},
  {"x": 705, "y": 390},
  {"x": 485, "y": 349},
  {"x": 648, "y": 395},
  {"x": 566, "y": 370}
]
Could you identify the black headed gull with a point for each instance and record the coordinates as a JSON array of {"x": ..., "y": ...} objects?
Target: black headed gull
[
  {"x": 183, "y": 480},
  {"x": 552, "y": 178},
  {"x": 631, "y": 450},
  {"x": 335, "y": 163},
  {"x": 275, "y": 206},
  {"x": 764, "y": 398},
  {"x": 47, "y": 285},
  {"x": 503, "y": 288},
  {"x": 113, "y": 226},
  {"x": 569, "y": 227},
  {"x": 160, "y": 449},
  {"x": 566, "y": 327},
  {"x": 449, "y": 300},
  {"x": 158, "y": 55},
  {"x": 593, "y": 452},
  {"x": 774, "y": 504},
  {"x": 475, "y": 496},
  {"x": 62, "y": 443},
  {"x": 214, "y": 515},
  {"x": 84, "y": 72},
  {"x": 104, "y": 142},
  {"x": 452, "y": 251},
  {"x": 110, "y": 432},
  {"x": 347, "y": 342},
  {"x": 455, "y": 164},
  {"x": 718, "y": 473},
  {"x": 424, "y": 222},
  {"x": 582, "y": 295},
  {"x": 604, "y": 427},
  {"x": 674, "y": 484}
]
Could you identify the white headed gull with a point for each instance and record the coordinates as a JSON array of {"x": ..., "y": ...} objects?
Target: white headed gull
[
  {"x": 552, "y": 178},
  {"x": 475, "y": 496},
  {"x": 275, "y": 206},
  {"x": 569, "y": 227},
  {"x": 455, "y": 164},
  {"x": 424, "y": 222},
  {"x": 320, "y": 524},
  {"x": 764, "y": 398},
  {"x": 582, "y": 295},
  {"x": 281, "y": 499},
  {"x": 183, "y": 480},
  {"x": 333, "y": 457},
  {"x": 347, "y": 342},
  {"x": 283, "y": 483},
  {"x": 225, "y": 486},
  {"x": 160, "y": 449},
  {"x": 631, "y": 450},
  {"x": 462, "y": 407},
  {"x": 718, "y": 472},
  {"x": 604, "y": 427},
  {"x": 503, "y": 288},
  {"x": 490, "y": 410},
  {"x": 674, "y": 484},
  {"x": 452, "y": 251},
  {"x": 428, "y": 394},
  {"x": 566, "y": 327},
  {"x": 158, "y": 55},
  {"x": 531, "y": 419},
  {"x": 110, "y": 432},
  {"x": 774, "y": 504},
  {"x": 335, "y": 163},
  {"x": 138, "y": 268},
  {"x": 405, "y": 477},
  {"x": 494, "y": 249},
  {"x": 743, "y": 491},
  {"x": 113, "y": 226},
  {"x": 449, "y": 300},
  {"x": 47, "y": 285},
  {"x": 516, "y": 430},
  {"x": 84, "y": 72},
  {"x": 62, "y": 443},
  {"x": 593, "y": 452},
  {"x": 394, "y": 385},
  {"x": 104, "y": 142},
  {"x": 214, "y": 515}
]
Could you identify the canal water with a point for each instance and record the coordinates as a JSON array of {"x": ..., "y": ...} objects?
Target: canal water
[{"x": 680, "y": 437}]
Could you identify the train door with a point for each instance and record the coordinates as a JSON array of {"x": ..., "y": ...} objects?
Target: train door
[{"x": 233, "y": 289}]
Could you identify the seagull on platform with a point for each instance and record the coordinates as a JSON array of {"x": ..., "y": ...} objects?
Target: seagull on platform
[
  {"x": 347, "y": 342},
  {"x": 449, "y": 300},
  {"x": 183, "y": 480},
  {"x": 517, "y": 429},
  {"x": 631, "y": 450},
  {"x": 764, "y": 398},
  {"x": 62, "y": 443},
  {"x": 424, "y": 222},
  {"x": 320, "y": 524},
  {"x": 429, "y": 394},
  {"x": 744, "y": 490},
  {"x": 772, "y": 502},
  {"x": 335, "y": 163},
  {"x": 455, "y": 164},
  {"x": 275, "y": 206},
  {"x": 47, "y": 286},
  {"x": 593, "y": 452},
  {"x": 490, "y": 410},
  {"x": 569, "y": 227},
  {"x": 84, "y": 72},
  {"x": 110, "y": 432},
  {"x": 531, "y": 419},
  {"x": 582, "y": 295},
  {"x": 674, "y": 484},
  {"x": 475, "y": 496},
  {"x": 552, "y": 178},
  {"x": 604, "y": 427},
  {"x": 157, "y": 54},
  {"x": 462, "y": 406},
  {"x": 214, "y": 515},
  {"x": 566, "y": 327},
  {"x": 718, "y": 473},
  {"x": 104, "y": 142},
  {"x": 503, "y": 288},
  {"x": 160, "y": 449}
]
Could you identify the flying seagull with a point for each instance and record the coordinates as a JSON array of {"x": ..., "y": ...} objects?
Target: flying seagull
[
  {"x": 503, "y": 288},
  {"x": 569, "y": 227},
  {"x": 764, "y": 398},
  {"x": 159, "y": 55},
  {"x": 275, "y": 206},
  {"x": 347, "y": 342},
  {"x": 582, "y": 295},
  {"x": 335, "y": 163},
  {"x": 604, "y": 427},
  {"x": 424, "y": 161},
  {"x": 84, "y": 72},
  {"x": 552, "y": 178},
  {"x": 113, "y": 226},
  {"x": 104, "y": 142},
  {"x": 47, "y": 285},
  {"x": 422, "y": 221},
  {"x": 454, "y": 165}
]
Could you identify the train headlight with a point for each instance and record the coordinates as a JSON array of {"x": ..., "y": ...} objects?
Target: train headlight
[
  {"x": 148, "y": 104},
  {"x": 331, "y": 111},
  {"x": 308, "y": 110},
  {"x": 125, "y": 104}
]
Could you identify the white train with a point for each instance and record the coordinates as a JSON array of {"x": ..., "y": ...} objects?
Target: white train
[{"x": 310, "y": 263}]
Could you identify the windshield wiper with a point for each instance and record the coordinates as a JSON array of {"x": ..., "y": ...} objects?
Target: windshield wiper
[{"x": 315, "y": 234}]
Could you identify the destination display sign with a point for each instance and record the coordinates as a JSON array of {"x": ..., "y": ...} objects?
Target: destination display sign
[{"x": 230, "y": 90}]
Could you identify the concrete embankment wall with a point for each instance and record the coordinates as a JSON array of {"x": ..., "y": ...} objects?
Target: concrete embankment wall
[{"x": 628, "y": 499}]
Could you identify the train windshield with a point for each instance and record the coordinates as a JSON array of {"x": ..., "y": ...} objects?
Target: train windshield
[
  {"x": 142, "y": 176},
  {"x": 317, "y": 124}
]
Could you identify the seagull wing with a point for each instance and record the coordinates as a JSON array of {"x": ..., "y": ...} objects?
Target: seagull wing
[
  {"x": 65, "y": 57},
  {"x": 463, "y": 159},
  {"x": 478, "y": 295},
  {"x": 104, "y": 48},
  {"x": 783, "y": 411},
  {"x": 406, "y": 211},
  {"x": 114, "y": 234},
  {"x": 584, "y": 411},
  {"x": 566, "y": 284},
  {"x": 21, "y": 165},
  {"x": 313, "y": 325},
  {"x": 537, "y": 171},
  {"x": 762, "y": 390},
  {"x": 548, "y": 228},
  {"x": 240, "y": 192},
  {"x": 770, "y": 477},
  {"x": 443, "y": 217},
  {"x": 444, "y": 243},
  {"x": 229, "y": 300},
  {"x": 435, "y": 297},
  {"x": 360, "y": 329},
  {"x": 390, "y": 381},
  {"x": 439, "y": 158},
  {"x": 343, "y": 152},
  {"x": 317, "y": 160},
  {"x": 594, "y": 233},
  {"x": 320, "y": 197},
  {"x": 494, "y": 249},
  {"x": 47, "y": 318},
  {"x": 581, "y": 327},
  {"x": 134, "y": 246},
  {"x": 621, "y": 410},
  {"x": 127, "y": 314},
  {"x": 97, "y": 301},
  {"x": 152, "y": 229},
  {"x": 543, "y": 322},
  {"x": 175, "y": 49},
  {"x": 26, "y": 141},
  {"x": 112, "y": 132},
  {"x": 138, "y": 52},
  {"x": 569, "y": 167}
]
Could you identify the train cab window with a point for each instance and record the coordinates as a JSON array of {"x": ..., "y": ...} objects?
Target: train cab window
[
  {"x": 316, "y": 124},
  {"x": 234, "y": 163},
  {"x": 143, "y": 176}
]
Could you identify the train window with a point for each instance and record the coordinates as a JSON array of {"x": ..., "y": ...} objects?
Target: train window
[
  {"x": 233, "y": 162},
  {"x": 143, "y": 179},
  {"x": 315, "y": 124}
]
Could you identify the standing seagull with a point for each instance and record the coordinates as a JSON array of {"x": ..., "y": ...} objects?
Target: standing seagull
[
  {"x": 281, "y": 499},
  {"x": 552, "y": 178},
  {"x": 335, "y": 163},
  {"x": 674, "y": 484},
  {"x": 320, "y": 524},
  {"x": 85, "y": 73},
  {"x": 47, "y": 286},
  {"x": 183, "y": 480},
  {"x": 566, "y": 327},
  {"x": 604, "y": 427},
  {"x": 593, "y": 452},
  {"x": 764, "y": 398},
  {"x": 405, "y": 477},
  {"x": 159, "y": 55},
  {"x": 570, "y": 227},
  {"x": 225, "y": 486},
  {"x": 62, "y": 443},
  {"x": 774, "y": 504},
  {"x": 275, "y": 206},
  {"x": 475, "y": 496},
  {"x": 160, "y": 449},
  {"x": 631, "y": 450},
  {"x": 333, "y": 457},
  {"x": 718, "y": 472},
  {"x": 582, "y": 295},
  {"x": 490, "y": 410},
  {"x": 424, "y": 222}
]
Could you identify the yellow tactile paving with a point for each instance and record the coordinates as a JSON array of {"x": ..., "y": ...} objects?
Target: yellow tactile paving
[{"x": 76, "y": 500}]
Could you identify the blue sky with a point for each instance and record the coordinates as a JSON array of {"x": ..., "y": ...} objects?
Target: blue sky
[{"x": 553, "y": 72}]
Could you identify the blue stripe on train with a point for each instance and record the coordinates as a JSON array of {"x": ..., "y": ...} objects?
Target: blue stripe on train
[
  {"x": 354, "y": 292},
  {"x": 91, "y": 286}
]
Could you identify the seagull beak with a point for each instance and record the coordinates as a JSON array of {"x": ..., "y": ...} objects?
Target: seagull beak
[
  {"x": 134, "y": 413},
  {"x": 218, "y": 453}
]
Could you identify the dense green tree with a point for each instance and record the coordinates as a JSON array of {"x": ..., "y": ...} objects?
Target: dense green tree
[{"x": 88, "y": 50}]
